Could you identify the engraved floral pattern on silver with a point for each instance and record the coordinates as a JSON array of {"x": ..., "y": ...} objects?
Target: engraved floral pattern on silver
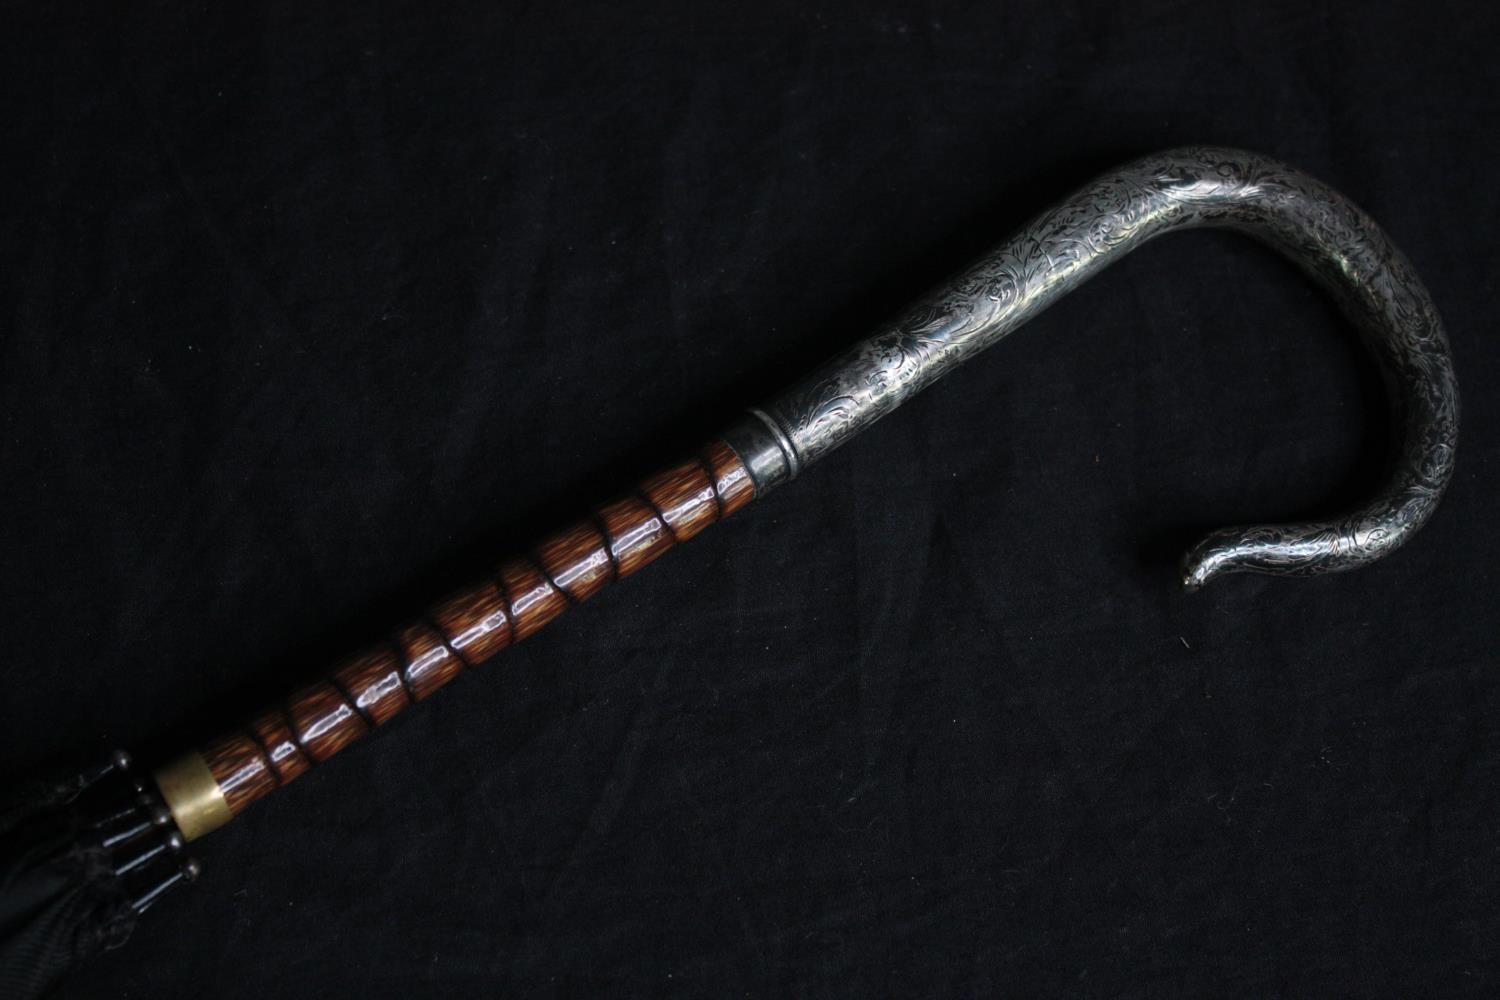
[{"x": 1324, "y": 233}]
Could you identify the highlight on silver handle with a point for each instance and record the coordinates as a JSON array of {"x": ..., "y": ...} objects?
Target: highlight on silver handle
[{"x": 1316, "y": 227}]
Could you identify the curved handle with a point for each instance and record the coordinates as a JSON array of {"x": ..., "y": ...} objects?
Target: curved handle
[{"x": 1320, "y": 230}]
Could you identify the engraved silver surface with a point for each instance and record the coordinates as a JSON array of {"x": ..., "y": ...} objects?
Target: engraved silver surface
[{"x": 1325, "y": 234}]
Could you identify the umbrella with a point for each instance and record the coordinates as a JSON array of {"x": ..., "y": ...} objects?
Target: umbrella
[{"x": 86, "y": 854}]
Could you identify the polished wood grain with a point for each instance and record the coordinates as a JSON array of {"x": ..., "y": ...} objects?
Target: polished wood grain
[{"x": 462, "y": 631}]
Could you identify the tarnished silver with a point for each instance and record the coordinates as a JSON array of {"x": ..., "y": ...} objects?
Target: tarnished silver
[{"x": 1324, "y": 233}]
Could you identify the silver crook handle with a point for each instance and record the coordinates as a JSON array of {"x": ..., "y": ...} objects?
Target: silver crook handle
[{"x": 1315, "y": 226}]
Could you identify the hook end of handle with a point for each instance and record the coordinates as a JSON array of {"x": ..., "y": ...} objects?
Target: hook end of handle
[
  {"x": 1280, "y": 550},
  {"x": 1277, "y": 550},
  {"x": 1211, "y": 558},
  {"x": 1193, "y": 578},
  {"x": 1312, "y": 549}
]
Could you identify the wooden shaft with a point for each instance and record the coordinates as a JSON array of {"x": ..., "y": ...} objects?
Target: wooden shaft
[{"x": 525, "y": 593}]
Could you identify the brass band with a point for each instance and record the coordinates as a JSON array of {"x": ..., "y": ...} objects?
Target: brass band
[{"x": 193, "y": 796}]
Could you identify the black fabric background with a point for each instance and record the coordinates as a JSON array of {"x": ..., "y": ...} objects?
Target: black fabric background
[{"x": 308, "y": 316}]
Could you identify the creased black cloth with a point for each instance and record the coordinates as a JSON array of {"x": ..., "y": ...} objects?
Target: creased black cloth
[
  {"x": 61, "y": 902},
  {"x": 311, "y": 312}
]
